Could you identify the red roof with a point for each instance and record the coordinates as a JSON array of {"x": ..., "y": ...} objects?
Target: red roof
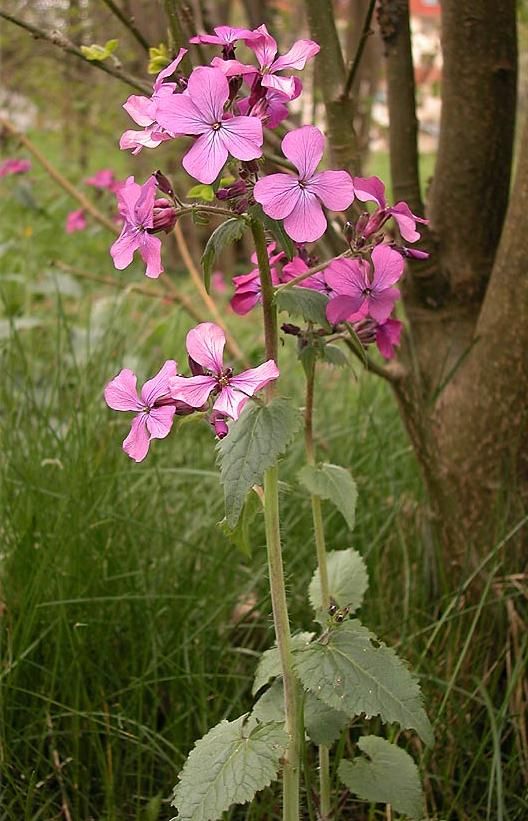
[{"x": 425, "y": 8}]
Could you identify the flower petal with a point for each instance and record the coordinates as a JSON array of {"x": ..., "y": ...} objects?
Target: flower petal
[
  {"x": 206, "y": 158},
  {"x": 406, "y": 221},
  {"x": 205, "y": 344},
  {"x": 122, "y": 250},
  {"x": 244, "y": 301},
  {"x": 334, "y": 188},
  {"x": 150, "y": 250},
  {"x": 230, "y": 402},
  {"x": 193, "y": 390},
  {"x": 150, "y": 137},
  {"x": 381, "y": 303},
  {"x": 145, "y": 203},
  {"x": 254, "y": 379},
  {"x": 278, "y": 194},
  {"x": 264, "y": 46},
  {"x": 170, "y": 69},
  {"x": 370, "y": 189},
  {"x": 121, "y": 392},
  {"x": 297, "y": 56},
  {"x": 209, "y": 91},
  {"x": 158, "y": 386},
  {"x": 387, "y": 336},
  {"x": 341, "y": 308},
  {"x": 284, "y": 85},
  {"x": 388, "y": 267},
  {"x": 141, "y": 109},
  {"x": 242, "y": 137},
  {"x": 307, "y": 222},
  {"x": 179, "y": 114},
  {"x": 304, "y": 147},
  {"x": 348, "y": 277},
  {"x": 137, "y": 443},
  {"x": 159, "y": 421}
]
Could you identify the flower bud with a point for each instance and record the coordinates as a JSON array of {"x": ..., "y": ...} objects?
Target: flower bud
[
  {"x": 235, "y": 84},
  {"x": 412, "y": 253},
  {"x": 366, "y": 330},
  {"x": 231, "y": 192},
  {"x": 293, "y": 330},
  {"x": 164, "y": 184},
  {"x": 218, "y": 424},
  {"x": 374, "y": 223},
  {"x": 164, "y": 216}
]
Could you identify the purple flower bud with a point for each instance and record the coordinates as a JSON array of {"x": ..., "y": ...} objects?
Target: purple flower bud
[
  {"x": 412, "y": 253},
  {"x": 164, "y": 216},
  {"x": 375, "y": 222},
  {"x": 349, "y": 231},
  {"x": 362, "y": 223},
  {"x": 231, "y": 192},
  {"x": 235, "y": 84},
  {"x": 164, "y": 184},
  {"x": 219, "y": 424},
  {"x": 293, "y": 330},
  {"x": 366, "y": 330}
]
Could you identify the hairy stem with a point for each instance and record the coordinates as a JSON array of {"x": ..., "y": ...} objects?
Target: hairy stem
[{"x": 290, "y": 807}]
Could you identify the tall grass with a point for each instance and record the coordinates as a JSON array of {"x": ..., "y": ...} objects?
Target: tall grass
[{"x": 129, "y": 625}]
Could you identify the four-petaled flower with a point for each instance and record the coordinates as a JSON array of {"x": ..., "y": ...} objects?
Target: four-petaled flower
[
  {"x": 359, "y": 293},
  {"x": 205, "y": 345},
  {"x": 136, "y": 207},
  {"x": 372, "y": 189},
  {"x": 224, "y": 36},
  {"x": 247, "y": 286},
  {"x": 298, "y": 200},
  {"x": 200, "y": 112},
  {"x": 154, "y": 407}
]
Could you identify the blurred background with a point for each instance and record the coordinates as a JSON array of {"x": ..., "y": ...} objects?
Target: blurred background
[{"x": 129, "y": 624}]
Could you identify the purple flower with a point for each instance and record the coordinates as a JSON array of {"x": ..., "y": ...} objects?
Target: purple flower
[
  {"x": 372, "y": 189},
  {"x": 143, "y": 112},
  {"x": 298, "y": 200},
  {"x": 224, "y": 36},
  {"x": 14, "y": 166},
  {"x": 388, "y": 336},
  {"x": 317, "y": 282},
  {"x": 154, "y": 407},
  {"x": 247, "y": 286},
  {"x": 200, "y": 112},
  {"x": 136, "y": 207},
  {"x": 272, "y": 107},
  {"x": 103, "y": 179},
  {"x": 359, "y": 293},
  {"x": 205, "y": 345},
  {"x": 75, "y": 221}
]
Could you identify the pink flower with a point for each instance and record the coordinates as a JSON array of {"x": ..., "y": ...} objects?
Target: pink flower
[
  {"x": 247, "y": 286},
  {"x": 218, "y": 282},
  {"x": 271, "y": 108},
  {"x": 136, "y": 207},
  {"x": 200, "y": 112},
  {"x": 224, "y": 36},
  {"x": 154, "y": 407},
  {"x": 298, "y": 199},
  {"x": 372, "y": 189},
  {"x": 143, "y": 112},
  {"x": 360, "y": 293},
  {"x": 14, "y": 166},
  {"x": 317, "y": 282},
  {"x": 265, "y": 48},
  {"x": 103, "y": 179},
  {"x": 205, "y": 345},
  {"x": 388, "y": 336},
  {"x": 75, "y": 221}
]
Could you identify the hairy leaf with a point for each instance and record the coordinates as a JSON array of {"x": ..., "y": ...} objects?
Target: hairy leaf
[
  {"x": 305, "y": 303},
  {"x": 323, "y": 724},
  {"x": 241, "y": 534},
  {"x": 335, "y": 483},
  {"x": 270, "y": 706},
  {"x": 228, "y": 766},
  {"x": 350, "y": 670},
  {"x": 269, "y": 665},
  {"x": 389, "y": 776},
  {"x": 333, "y": 355},
  {"x": 226, "y": 233},
  {"x": 255, "y": 441},
  {"x": 347, "y": 579}
]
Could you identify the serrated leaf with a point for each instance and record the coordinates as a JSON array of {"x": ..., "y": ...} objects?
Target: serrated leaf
[
  {"x": 333, "y": 355},
  {"x": 335, "y": 483},
  {"x": 201, "y": 192},
  {"x": 270, "y": 706},
  {"x": 254, "y": 443},
  {"x": 99, "y": 53},
  {"x": 347, "y": 580},
  {"x": 228, "y": 766},
  {"x": 354, "y": 672},
  {"x": 322, "y": 723},
  {"x": 305, "y": 303},
  {"x": 269, "y": 665},
  {"x": 241, "y": 534},
  {"x": 389, "y": 776},
  {"x": 226, "y": 233}
]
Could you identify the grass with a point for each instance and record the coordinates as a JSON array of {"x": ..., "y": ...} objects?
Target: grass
[{"x": 121, "y": 633}]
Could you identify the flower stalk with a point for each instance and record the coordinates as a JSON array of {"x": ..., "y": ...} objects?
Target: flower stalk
[{"x": 290, "y": 810}]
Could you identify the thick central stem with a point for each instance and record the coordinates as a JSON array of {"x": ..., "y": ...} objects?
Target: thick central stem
[{"x": 290, "y": 809}]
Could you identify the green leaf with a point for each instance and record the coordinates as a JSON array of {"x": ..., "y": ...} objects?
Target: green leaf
[
  {"x": 240, "y": 535},
  {"x": 201, "y": 192},
  {"x": 347, "y": 580},
  {"x": 158, "y": 58},
  {"x": 99, "y": 53},
  {"x": 269, "y": 665},
  {"x": 226, "y": 233},
  {"x": 228, "y": 766},
  {"x": 305, "y": 303},
  {"x": 270, "y": 706},
  {"x": 333, "y": 355},
  {"x": 389, "y": 776},
  {"x": 354, "y": 672},
  {"x": 323, "y": 724},
  {"x": 254, "y": 443},
  {"x": 335, "y": 483}
]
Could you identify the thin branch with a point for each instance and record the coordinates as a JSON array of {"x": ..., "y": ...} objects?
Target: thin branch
[
  {"x": 175, "y": 297},
  {"x": 128, "y": 22},
  {"x": 177, "y": 38},
  {"x": 196, "y": 277},
  {"x": 64, "y": 183},
  {"x": 365, "y": 33},
  {"x": 66, "y": 45}
]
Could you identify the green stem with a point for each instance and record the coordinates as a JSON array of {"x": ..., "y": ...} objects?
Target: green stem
[
  {"x": 290, "y": 807},
  {"x": 320, "y": 545}
]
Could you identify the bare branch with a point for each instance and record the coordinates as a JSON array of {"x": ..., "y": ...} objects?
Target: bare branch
[
  {"x": 365, "y": 33},
  {"x": 128, "y": 22}
]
